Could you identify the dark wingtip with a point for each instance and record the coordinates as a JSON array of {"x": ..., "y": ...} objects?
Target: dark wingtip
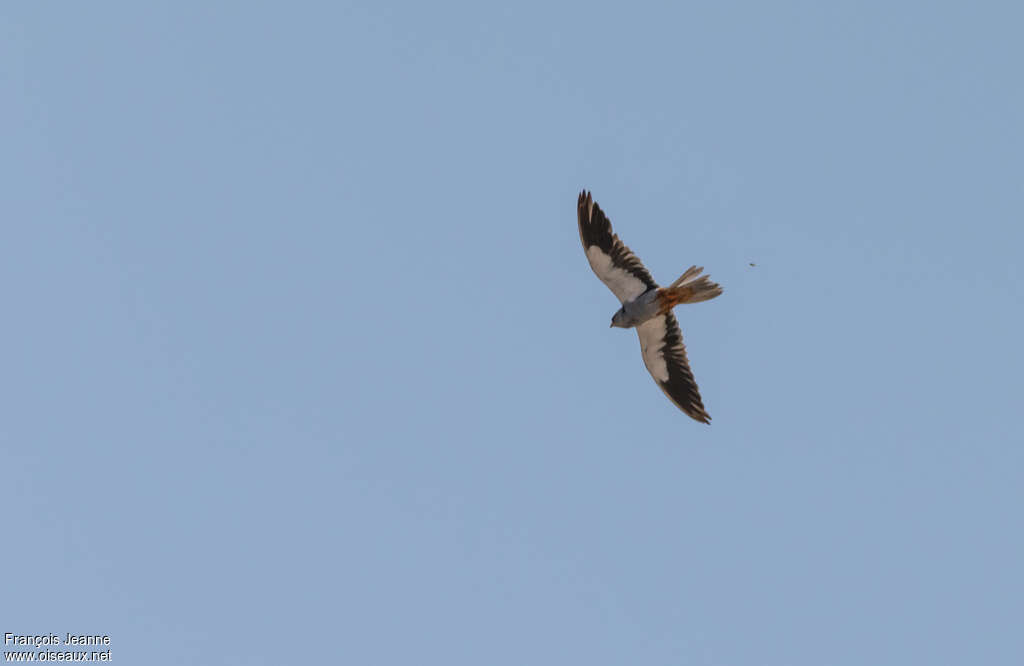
[{"x": 700, "y": 415}]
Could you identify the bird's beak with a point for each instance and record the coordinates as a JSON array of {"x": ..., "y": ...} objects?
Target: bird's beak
[{"x": 611, "y": 324}]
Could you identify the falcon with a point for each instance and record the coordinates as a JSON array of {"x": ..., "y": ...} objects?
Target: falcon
[{"x": 646, "y": 306}]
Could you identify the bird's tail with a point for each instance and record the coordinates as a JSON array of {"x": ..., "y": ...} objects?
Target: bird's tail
[{"x": 691, "y": 287}]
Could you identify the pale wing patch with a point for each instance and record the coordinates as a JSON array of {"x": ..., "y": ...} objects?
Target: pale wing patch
[
  {"x": 652, "y": 339},
  {"x": 623, "y": 284}
]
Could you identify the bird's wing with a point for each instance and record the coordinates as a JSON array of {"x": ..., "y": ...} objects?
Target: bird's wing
[
  {"x": 661, "y": 343},
  {"x": 614, "y": 263}
]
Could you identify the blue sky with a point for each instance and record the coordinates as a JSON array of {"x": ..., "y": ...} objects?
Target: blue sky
[{"x": 304, "y": 362}]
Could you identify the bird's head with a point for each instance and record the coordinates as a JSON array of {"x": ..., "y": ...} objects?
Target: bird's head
[{"x": 620, "y": 319}]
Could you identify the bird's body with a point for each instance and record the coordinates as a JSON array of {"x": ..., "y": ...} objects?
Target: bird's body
[
  {"x": 637, "y": 311},
  {"x": 646, "y": 306}
]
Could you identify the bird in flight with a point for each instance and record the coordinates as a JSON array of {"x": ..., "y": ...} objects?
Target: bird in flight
[{"x": 646, "y": 306}]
